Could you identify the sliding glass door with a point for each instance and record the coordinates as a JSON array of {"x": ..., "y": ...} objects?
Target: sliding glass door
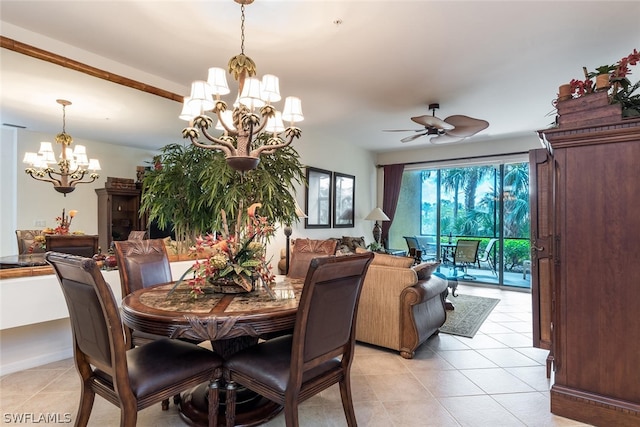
[{"x": 480, "y": 202}]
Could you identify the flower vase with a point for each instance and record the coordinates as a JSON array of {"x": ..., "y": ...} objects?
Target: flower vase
[{"x": 602, "y": 82}]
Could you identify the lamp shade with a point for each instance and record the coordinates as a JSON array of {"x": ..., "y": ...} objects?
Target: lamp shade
[
  {"x": 292, "y": 111},
  {"x": 377, "y": 215},
  {"x": 299, "y": 212}
]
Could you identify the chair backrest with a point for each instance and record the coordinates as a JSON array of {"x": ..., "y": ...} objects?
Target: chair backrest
[
  {"x": 466, "y": 251},
  {"x": 304, "y": 250},
  {"x": 325, "y": 322},
  {"x": 487, "y": 251},
  {"x": 137, "y": 235},
  {"x": 412, "y": 242},
  {"x": 84, "y": 245},
  {"x": 95, "y": 319},
  {"x": 427, "y": 245},
  {"x": 142, "y": 263},
  {"x": 26, "y": 240}
]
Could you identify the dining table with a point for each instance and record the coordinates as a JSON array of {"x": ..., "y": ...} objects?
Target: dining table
[
  {"x": 23, "y": 260},
  {"x": 230, "y": 322}
]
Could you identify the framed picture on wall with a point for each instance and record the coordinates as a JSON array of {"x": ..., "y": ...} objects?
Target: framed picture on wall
[
  {"x": 344, "y": 187},
  {"x": 318, "y": 198}
]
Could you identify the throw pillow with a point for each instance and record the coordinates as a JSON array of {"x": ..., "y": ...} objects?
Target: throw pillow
[
  {"x": 425, "y": 269},
  {"x": 353, "y": 242},
  {"x": 392, "y": 260}
]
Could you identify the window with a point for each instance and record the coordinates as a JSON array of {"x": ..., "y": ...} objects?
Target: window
[{"x": 479, "y": 202}]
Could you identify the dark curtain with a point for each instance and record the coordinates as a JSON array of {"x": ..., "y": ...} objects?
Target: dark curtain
[{"x": 392, "y": 182}]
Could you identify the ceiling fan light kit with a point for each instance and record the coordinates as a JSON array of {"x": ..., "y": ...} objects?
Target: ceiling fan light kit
[{"x": 452, "y": 129}]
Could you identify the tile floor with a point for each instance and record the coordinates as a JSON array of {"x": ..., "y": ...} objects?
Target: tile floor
[{"x": 495, "y": 379}]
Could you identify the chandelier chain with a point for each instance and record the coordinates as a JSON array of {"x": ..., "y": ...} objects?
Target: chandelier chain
[
  {"x": 242, "y": 29},
  {"x": 64, "y": 118}
]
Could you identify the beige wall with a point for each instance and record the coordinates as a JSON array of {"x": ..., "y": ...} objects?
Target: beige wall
[{"x": 38, "y": 201}]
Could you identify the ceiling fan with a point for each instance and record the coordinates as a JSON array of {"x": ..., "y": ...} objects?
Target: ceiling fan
[{"x": 452, "y": 129}]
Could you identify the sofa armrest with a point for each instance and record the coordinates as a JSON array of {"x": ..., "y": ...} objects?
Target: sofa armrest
[
  {"x": 379, "y": 307},
  {"x": 422, "y": 312}
]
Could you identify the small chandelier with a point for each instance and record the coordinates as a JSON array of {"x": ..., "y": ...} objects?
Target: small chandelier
[
  {"x": 254, "y": 126},
  {"x": 73, "y": 164}
]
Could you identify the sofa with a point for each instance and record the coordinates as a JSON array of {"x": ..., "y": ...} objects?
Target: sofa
[{"x": 401, "y": 304}]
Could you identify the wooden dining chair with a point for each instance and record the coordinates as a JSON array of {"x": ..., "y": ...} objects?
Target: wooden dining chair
[
  {"x": 304, "y": 250},
  {"x": 26, "y": 241},
  {"x": 141, "y": 263},
  {"x": 131, "y": 379},
  {"x": 292, "y": 368}
]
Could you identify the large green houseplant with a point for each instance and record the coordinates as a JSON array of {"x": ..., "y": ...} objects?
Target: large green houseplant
[{"x": 188, "y": 187}]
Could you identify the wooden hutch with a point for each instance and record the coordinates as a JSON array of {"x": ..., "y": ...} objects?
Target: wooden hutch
[
  {"x": 118, "y": 211},
  {"x": 587, "y": 298}
]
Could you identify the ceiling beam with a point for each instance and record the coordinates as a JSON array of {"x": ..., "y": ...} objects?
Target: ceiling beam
[{"x": 44, "y": 55}]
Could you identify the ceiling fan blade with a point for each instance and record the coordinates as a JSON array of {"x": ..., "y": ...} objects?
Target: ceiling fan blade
[
  {"x": 412, "y": 137},
  {"x": 465, "y": 126},
  {"x": 432, "y": 122},
  {"x": 402, "y": 130},
  {"x": 445, "y": 139}
]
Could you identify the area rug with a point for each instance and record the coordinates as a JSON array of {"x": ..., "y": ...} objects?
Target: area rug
[{"x": 468, "y": 315}]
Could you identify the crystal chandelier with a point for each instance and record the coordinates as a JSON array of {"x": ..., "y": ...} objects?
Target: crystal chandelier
[
  {"x": 73, "y": 164},
  {"x": 254, "y": 126}
]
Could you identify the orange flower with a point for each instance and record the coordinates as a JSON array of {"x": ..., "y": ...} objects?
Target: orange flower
[
  {"x": 73, "y": 213},
  {"x": 252, "y": 209}
]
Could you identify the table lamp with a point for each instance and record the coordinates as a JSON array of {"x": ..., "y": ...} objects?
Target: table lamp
[{"x": 377, "y": 215}]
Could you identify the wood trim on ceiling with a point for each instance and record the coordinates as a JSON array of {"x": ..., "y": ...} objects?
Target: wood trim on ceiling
[{"x": 53, "y": 58}]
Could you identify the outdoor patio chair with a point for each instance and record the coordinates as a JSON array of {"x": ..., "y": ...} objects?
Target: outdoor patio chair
[
  {"x": 466, "y": 254},
  {"x": 428, "y": 247},
  {"x": 486, "y": 256}
]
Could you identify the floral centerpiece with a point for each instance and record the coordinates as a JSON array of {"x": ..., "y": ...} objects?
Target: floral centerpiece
[
  {"x": 233, "y": 259},
  {"x": 64, "y": 223},
  {"x": 63, "y": 227},
  {"x": 612, "y": 78}
]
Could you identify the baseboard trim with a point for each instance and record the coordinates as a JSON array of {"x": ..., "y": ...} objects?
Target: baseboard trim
[
  {"x": 34, "y": 362},
  {"x": 592, "y": 408}
]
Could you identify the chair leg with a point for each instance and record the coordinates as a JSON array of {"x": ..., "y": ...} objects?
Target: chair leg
[
  {"x": 291, "y": 414},
  {"x": 87, "y": 396},
  {"x": 230, "y": 402},
  {"x": 347, "y": 402},
  {"x": 165, "y": 405},
  {"x": 128, "y": 414},
  {"x": 214, "y": 402},
  {"x": 128, "y": 419},
  {"x": 177, "y": 399}
]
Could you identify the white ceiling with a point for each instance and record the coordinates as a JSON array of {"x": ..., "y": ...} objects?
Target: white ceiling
[{"x": 500, "y": 61}]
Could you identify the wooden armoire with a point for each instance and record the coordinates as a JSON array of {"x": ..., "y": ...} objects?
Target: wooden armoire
[
  {"x": 118, "y": 214},
  {"x": 586, "y": 250}
]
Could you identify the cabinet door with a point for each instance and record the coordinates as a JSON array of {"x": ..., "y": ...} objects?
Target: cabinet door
[{"x": 541, "y": 209}]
